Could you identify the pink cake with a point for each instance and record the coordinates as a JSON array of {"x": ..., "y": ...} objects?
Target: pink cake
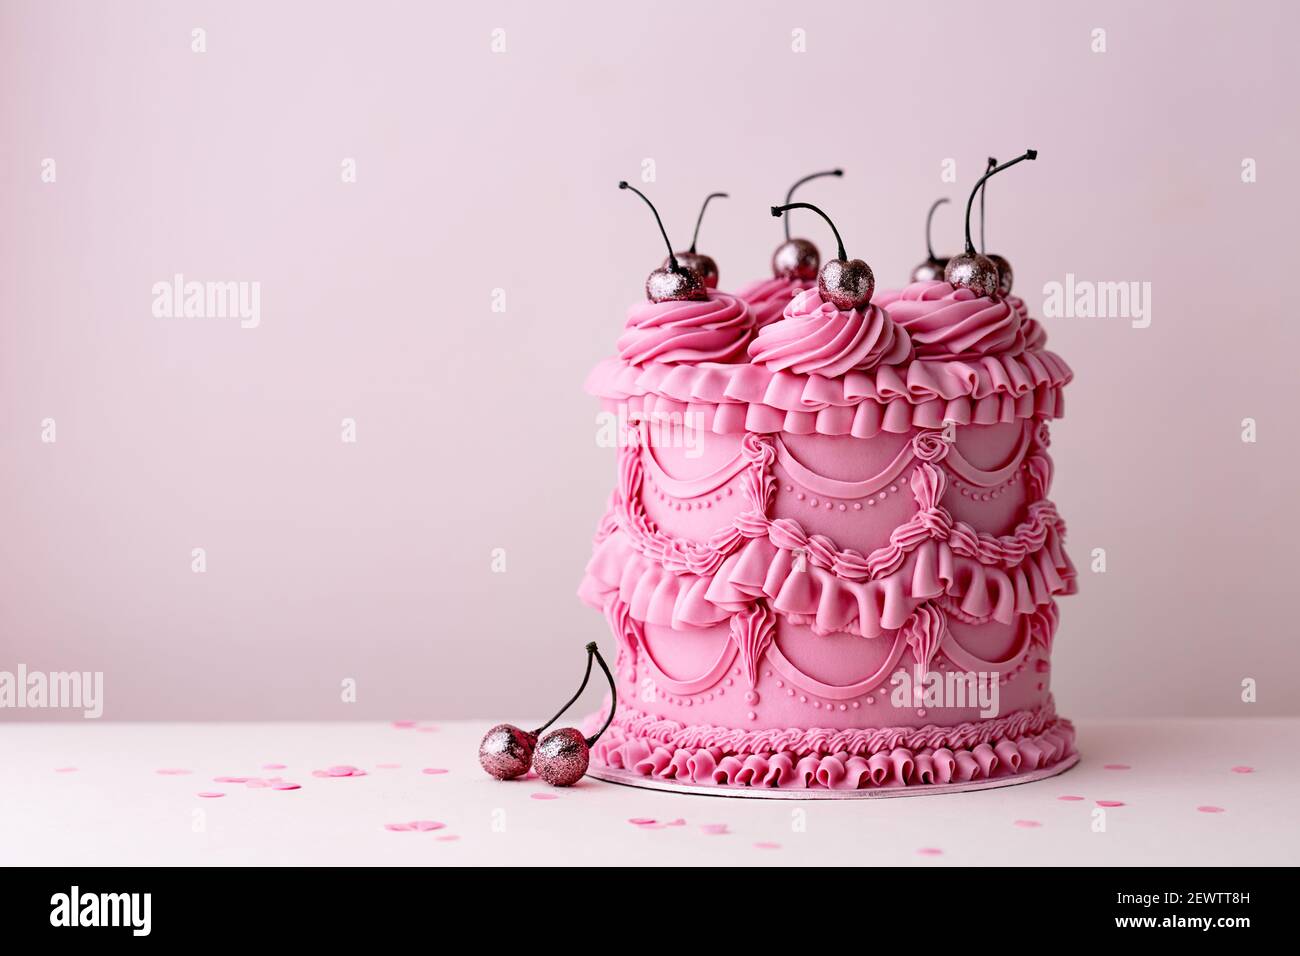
[{"x": 830, "y": 560}]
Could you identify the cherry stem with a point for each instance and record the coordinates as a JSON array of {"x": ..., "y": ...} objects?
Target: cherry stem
[
  {"x": 696, "y": 235},
  {"x": 1027, "y": 154},
  {"x": 929, "y": 218},
  {"x": 591, "y": 649},
  {"x": 613, "y": 694},
  {"x": 799, "y": 182},
  {"x": 778, "y": 210},
  {"x": 991, "y": 163},
  {"x": 672, "y": 259}
]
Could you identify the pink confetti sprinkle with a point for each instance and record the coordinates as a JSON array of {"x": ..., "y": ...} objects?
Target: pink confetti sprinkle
[
  {"x": 434, "y": 771},
  {"x": 1069, "y": 796},
  {"x": 1116, "y": 766},
  {"x": 715, "y": 829},
  {"x": 209, "y": 793},
  {"x": 1028, "y": 824},
  {"x": 288, "y": 786},
  {"x": 341, "y": 770},
  {"x": 1209, "y": 809},
  {"x": 679, "y": 822},
  {"x": 403, "y": 724},
  {"x": 930, "y": 851},
  {"x": 767, "y": 846},
  {"x": 1110, "y": 803},
  {"x": 232, "y": 779},
  {"x": 388, "y": 766},
  {"x": 173, "y": 772},
  {"x": 420, "y": 826},
  {"x": 274, "y": 766},
  {"x": 641, "y": 821},
  {"x": 65, "y": 769},
  {"x": 543, "y": 796},
  {"x": 1243, "y": 769}
]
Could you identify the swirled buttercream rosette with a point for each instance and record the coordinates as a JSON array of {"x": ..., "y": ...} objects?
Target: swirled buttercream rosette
[
  {"x": 945, "y": 322},
  {"x": 815, "y": 337},
  {"x": 767, "y": 298},
  {"x": 714, "y": 330}
]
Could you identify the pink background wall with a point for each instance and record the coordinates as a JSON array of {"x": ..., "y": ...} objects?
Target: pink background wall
[{"x": 478, "y": 171}]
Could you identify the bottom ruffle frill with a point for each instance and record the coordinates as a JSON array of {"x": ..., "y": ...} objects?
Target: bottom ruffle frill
[{"x": 895, "y": 767}]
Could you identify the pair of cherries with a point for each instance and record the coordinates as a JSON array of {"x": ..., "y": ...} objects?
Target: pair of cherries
[
  {"x": 688, "y": 276},
  {"x": 984, "y": 274},
  {"x": 561, "y": 757}
]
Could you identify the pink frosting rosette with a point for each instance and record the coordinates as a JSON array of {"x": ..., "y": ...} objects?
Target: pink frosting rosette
[
  {"x": 767, "y": 298},
  {"x": 715, "y": 330},
  {"x": 944, "y": 321},
  {"x": 815, "y": 337}
]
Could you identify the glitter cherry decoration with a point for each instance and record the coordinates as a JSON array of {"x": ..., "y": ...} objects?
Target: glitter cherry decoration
[
  {"x": 973, "y": 270},
  {"x": 672, "y": 282},
  {"x": 507, "y": 752},
  {"x": 932, "y": 267},
  {"x": 845, "y": 283},
  {"x": 562, "y": 756},
  {"x": 1005, "y": 275},
  {"x": 798, "y": 258},
  {"x": 698, "y": 261}
]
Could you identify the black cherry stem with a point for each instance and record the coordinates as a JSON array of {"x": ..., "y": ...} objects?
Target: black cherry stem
[
  {"x": 929, "y": 218},
  {"x": 613, "y": 695},
  {"x": 1027, "y": 154},
  {"x": 799, "y": 182},
  {"x": 695, "y": 237},
  {"x": 991, "y": 163},
  {"x": 591, "y": 649},
  {"x": 778, "y": 210},
  {"x": 672, "y": 259}
]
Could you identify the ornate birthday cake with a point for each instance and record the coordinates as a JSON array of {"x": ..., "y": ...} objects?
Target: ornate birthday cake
[{"x": 830, "y": 560}]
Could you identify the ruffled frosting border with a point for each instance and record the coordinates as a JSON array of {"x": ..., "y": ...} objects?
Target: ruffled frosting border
[
  {"x": 837, "y": 759},
  {"x": 923, "y": 394}
]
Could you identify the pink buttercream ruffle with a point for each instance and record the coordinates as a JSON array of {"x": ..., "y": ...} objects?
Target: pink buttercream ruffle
[
  {"x": 815, "y": 337},
  {"x": 849, "y": 760},
  {"x": 924, "y": 394},
  {"x": 767, "y": 298},
  {"x": 944, "y": 321},
  {"x": 819, "y": 598},
  {"x": 716, "y": 330}
]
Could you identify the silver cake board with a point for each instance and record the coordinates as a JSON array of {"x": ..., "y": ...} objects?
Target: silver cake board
[{"x": 628, "y": 778}]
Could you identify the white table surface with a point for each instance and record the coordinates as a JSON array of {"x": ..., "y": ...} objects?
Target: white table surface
[{"x": 90, "y": 793}]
